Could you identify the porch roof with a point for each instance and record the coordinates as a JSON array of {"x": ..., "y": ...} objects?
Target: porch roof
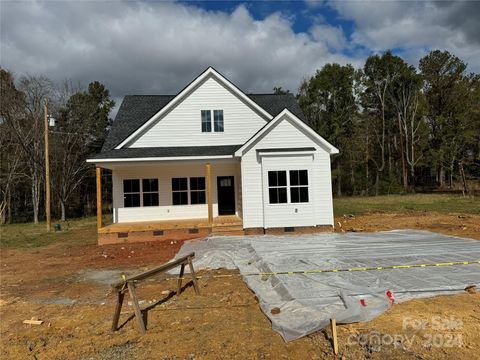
[{"x": 155, "y": 153}]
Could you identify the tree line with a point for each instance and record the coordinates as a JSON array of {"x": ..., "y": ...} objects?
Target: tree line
[
  {"x": 81, "y": 123},
  {"x": 398, "y": 128}
]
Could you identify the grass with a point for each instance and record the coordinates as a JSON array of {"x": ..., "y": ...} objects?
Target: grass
[
  {"x": 441, "y": 203},
  {"x": 29, "y": 235},
  {"x": 83, "y": 231}
]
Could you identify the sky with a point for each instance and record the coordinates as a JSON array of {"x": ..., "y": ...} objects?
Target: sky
[{"x": 153, "y": 47}]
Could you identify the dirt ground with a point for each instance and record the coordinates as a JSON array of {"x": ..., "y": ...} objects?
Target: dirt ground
[{"x": 68, "y": 288}]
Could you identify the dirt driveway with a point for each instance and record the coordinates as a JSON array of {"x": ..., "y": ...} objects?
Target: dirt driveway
[{"x": 67, "y": 287}]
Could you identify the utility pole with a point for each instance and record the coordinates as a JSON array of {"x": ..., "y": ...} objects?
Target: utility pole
[{"x": 47, "y": 172}]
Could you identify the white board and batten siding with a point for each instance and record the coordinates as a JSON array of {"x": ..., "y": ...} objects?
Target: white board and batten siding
[
  {"x": 164, "y": 172},
  {"x": 257, "y": 212},
  {"x": 182, "y": 125}
]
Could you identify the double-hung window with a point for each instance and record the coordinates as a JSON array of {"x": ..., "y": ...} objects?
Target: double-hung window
[
  {"x": 197, "y": 190},
  {"x": 218, "y": 120},
  {"x": 298, "y": 186},
  {"x": 206, "y": 116},
  {"x": 206, "y": 121},
  {"x": 150, "y": 192},
  {"x": 179, "y": 191},
  {"x": 131, "y": 192},
  {"x": 277, "y": 187}
]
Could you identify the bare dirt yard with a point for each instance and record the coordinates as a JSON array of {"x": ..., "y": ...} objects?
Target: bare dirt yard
[{"x": 66, "y": 284}]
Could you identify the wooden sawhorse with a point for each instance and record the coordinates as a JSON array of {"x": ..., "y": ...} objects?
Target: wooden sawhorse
[{"x": 128, "y": 284}]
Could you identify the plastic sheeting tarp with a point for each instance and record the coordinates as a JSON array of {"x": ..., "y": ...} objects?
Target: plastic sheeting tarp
[{"x": 308, "y": 301}]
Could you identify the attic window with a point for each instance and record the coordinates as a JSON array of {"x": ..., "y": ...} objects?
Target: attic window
[
  {"x": 206, "y": 116},
  {"x": 206, "y": 121},
  {"x": 218, "y": 120}
]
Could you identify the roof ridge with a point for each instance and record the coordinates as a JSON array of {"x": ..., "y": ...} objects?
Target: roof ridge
[
  {"x": 149, "y": 95},
  {"x": 248, "y": 94},
  {"x": 269, "y": 94}
]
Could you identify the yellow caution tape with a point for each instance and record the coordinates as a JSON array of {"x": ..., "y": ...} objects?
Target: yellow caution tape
[{"x": 318, "y": 271}]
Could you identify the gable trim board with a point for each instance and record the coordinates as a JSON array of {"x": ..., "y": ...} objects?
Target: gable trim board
[
  {"x": 271, "y": 125},
  {"x": 177, "y": 99}
]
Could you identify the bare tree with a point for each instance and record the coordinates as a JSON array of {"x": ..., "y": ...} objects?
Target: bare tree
[
  {"x": 29, "y": 132},
  {"x": 11, "y": 110},
  {"x": 405, "y": 97}
]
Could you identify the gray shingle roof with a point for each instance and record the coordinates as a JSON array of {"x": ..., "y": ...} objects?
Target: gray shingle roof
[
  {"x": 136, "y": 110},
  {"x": 174, "y": 151}
]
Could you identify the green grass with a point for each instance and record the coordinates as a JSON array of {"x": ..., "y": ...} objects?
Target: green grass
[
  {"x": 440, "y": 203},
  {"x": 28, "y": 235}
]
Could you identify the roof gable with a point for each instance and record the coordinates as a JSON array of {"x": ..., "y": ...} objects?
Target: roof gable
[
  {"x": 136, "y": 110},
  {"x": 209, "y": 73},
  {"x": 286, "y": 114}
]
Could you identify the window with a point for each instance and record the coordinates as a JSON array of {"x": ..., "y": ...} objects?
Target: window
[
  {"x": 150, "y": 192},
  {"x": 218, "y": 120},
  {"x": 277, "y": 187},
  {"x": 298, "y": 186},
  {"x": 136, "y": 193},
  {"x": 206, "y": 121},
  {"x": 206, "y": 116},
  {"x": 131, "y": 193},
  {"x": 197, "y": 190},
  {"x": 179, "y": 191}
]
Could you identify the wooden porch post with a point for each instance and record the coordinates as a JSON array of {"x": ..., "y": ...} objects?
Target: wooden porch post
[
  {"x": 99, "y": 197},
  {"x": 209, "y": 193}
]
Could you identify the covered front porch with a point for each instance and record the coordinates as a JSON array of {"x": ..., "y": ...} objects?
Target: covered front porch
[{"x": 171, "y": 200}]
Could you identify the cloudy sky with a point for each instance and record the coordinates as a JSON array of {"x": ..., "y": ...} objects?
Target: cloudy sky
[{"x": 155, "y": 47}]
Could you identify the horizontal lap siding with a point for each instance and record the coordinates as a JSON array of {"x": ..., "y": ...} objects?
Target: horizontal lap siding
[
  {"x": 164, "y": 173},
  {"x": 182, "y": 125},
  {"x": 289, "y": 214},
  {"x": 286, "y": 135}
]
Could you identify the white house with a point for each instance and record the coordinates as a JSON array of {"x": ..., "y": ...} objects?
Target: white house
[{"x": 214, "y": 156}]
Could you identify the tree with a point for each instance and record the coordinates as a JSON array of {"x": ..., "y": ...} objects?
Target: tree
[
  {"x": 379, "y": 73},
  {"x": 29, "y": 129},
  {"x": 328, "y": 101},
  {"x": 11, "y": 111},
  {"x": 80, "y": 130},
  {"x": 405, "y": 96},
  {"x": 280, "y": 91},
  {"x": 442, "y": 73}
]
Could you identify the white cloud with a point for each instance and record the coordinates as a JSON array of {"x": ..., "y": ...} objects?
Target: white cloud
[
  {"x": 331, "y": 35},
  {"x": 153, "y": 48},
  {"x": 158, "y": 47},
  {"x": 416, "y": 27}
]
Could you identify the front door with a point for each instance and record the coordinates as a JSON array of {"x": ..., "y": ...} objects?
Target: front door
[{"x": 226, "y": 195}]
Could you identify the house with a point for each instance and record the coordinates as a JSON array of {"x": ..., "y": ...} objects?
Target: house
[{"x": 213, "y": 159}]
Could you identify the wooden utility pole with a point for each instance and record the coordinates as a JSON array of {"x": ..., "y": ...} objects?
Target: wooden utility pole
[{"x": 47, "y": 172}]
